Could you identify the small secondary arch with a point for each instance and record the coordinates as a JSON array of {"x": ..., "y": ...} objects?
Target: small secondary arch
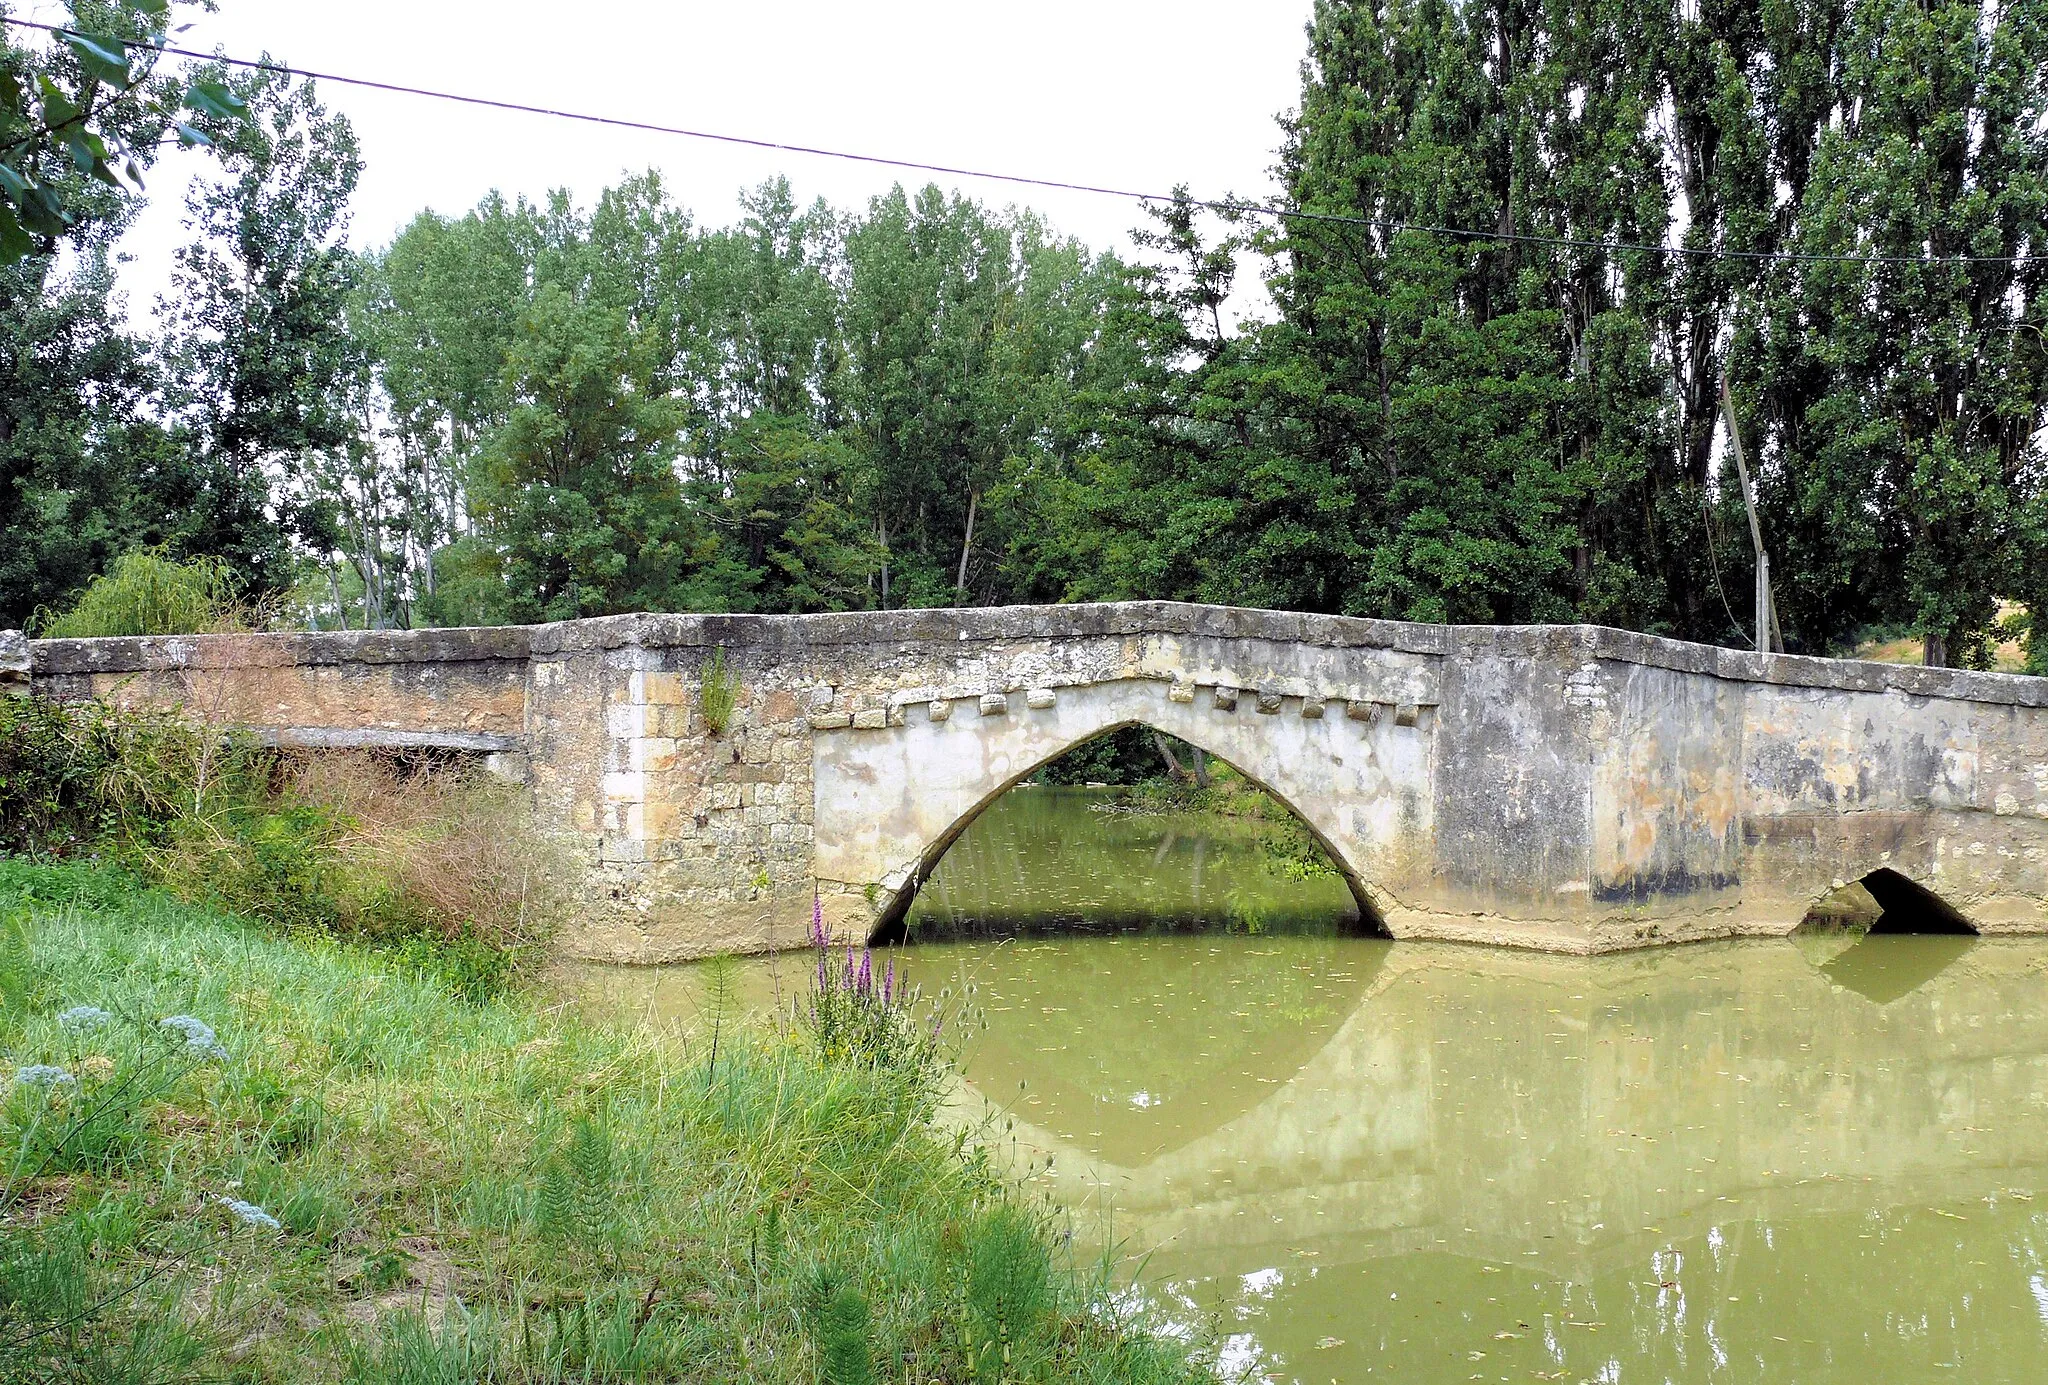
[{"x": 1887, "y": 901}]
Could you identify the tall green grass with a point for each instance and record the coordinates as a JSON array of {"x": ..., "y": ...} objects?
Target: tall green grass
[
  {"x": 435, "y": 861},
  {"x": 487, "y": 1191}
]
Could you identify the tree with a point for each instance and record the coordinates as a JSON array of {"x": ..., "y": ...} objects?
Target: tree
[
  {"x": 577, "y": 486},
  {"x": 91, "y": 108},
  {"x": 269, "y": 377},
  {"x": 1904, "y": 391}
]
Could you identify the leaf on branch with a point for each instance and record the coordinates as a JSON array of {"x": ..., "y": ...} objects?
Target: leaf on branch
[
  {"x": 193, "y": 138},
  {"x": 57, "y": 108},
  {"x": 157, "y": 8},
  {"x": 214, "y": 99},
  {"x": 105, "y": 59},
  {"x": 15, "y": 243},
  {"x": 41, "y": 213},
  {"x": 12, "y": 185}
]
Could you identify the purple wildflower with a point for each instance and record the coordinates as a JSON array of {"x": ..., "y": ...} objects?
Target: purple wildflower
[
  {"x": 818, "y": 938},
  {"x": 865, "y": 983},
  {"x": 889, "y": 983}
]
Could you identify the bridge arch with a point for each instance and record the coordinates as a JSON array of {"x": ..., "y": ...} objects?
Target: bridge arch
[
  {"x": 889, "y": 925},
  {"x": 1901, "y": 903},
  {"x": 893, "y": 798}
]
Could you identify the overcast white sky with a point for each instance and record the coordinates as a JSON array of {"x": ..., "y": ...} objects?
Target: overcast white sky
[{"x": 1123, "y": 93}]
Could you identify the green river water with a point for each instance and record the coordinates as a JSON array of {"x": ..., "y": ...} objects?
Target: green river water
[{"x": 1811, "y": 1160}]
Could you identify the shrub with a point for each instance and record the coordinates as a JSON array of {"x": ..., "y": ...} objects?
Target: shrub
[
  {"x": 148, "y": 592},
  {"x": 430, "y": 859},
  {"x": 71, "y": 775}
]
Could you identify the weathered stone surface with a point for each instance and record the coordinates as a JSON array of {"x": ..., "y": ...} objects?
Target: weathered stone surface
[
  {"x": 1561, "y": 787},
  {"x": 14, "y": 662}
]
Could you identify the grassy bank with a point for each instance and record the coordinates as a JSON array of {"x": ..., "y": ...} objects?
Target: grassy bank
[{"x": 359, "y": 1176}]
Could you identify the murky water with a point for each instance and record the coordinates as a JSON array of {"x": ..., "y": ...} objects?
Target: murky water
[
  {"x": 1816, "y": 1160},
  {"x": 1080, "y": 860}
]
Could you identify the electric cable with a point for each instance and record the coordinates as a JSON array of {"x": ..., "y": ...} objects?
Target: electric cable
[{"x": 1221, "y": 206}]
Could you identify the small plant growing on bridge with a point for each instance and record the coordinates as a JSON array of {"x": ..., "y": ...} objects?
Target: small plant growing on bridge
[{"x": 719, "y": 693}]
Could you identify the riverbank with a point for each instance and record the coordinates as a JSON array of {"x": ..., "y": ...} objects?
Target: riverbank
[{"x": 340, "y": 1170}]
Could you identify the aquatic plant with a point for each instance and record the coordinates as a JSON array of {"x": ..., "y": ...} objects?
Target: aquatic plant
[
  {"x": 1009, "y": 1296},
  {"x": 853, "y": 1017}
]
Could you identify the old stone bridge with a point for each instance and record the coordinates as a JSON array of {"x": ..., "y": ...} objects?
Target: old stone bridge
[{"x": 1562, "y": 787}]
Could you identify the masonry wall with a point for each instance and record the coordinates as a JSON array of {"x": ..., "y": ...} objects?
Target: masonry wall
[{"x": 1568, "y": 788}]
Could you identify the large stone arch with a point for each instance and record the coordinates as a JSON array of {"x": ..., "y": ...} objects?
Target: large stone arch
[
  {"x": 891, "y": 801},
  {"x": 1371, "y": 904}
]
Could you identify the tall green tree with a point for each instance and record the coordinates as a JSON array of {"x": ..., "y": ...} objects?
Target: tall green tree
[{"x": 267, "y": 375}]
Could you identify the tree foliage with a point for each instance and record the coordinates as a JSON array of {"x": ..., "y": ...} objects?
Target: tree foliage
[{"x": 1488, "y": 387}]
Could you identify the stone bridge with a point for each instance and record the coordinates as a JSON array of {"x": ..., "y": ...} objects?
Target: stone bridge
[{"x": 1569, "y": 788}]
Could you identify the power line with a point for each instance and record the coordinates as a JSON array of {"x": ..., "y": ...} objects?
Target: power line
[{"x": 1223, "y": 206}]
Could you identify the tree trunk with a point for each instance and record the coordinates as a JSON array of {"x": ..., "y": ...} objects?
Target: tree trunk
[
  {"x": 1934, "y": 651},
  {"x": 967, "y": 544},
  {"x": 882, "y": 533},
  {"x": 1196, "y": 771}
]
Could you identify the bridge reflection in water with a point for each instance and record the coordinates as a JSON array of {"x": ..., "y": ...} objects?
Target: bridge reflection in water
[{"x": 1805, "y": 1160}]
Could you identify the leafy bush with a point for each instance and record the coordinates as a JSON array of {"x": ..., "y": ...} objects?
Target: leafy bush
[
  {"x": 148, "y": 592},
  {"x": 72, "y": 776},
  {"x": 438, "y": 863}
]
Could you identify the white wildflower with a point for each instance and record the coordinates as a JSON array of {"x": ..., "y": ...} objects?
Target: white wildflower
[
  {"x": 199, "y": 1038},
  {"x": 83, "y": 1019},
  {"x": 249, "y": 1214},
  {"x": 44, "y": 1075}
]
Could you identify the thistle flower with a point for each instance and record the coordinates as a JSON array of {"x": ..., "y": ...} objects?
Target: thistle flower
[
  {"x": 249, "y": 1214},
  {"x": 83, "y": 1019},
  {"x": 44, "y": 1075},
  {"x": 199, "y": 1037}
]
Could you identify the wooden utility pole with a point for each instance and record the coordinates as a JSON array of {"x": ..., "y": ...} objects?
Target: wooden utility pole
[{"x": 1769, "y": 639}]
